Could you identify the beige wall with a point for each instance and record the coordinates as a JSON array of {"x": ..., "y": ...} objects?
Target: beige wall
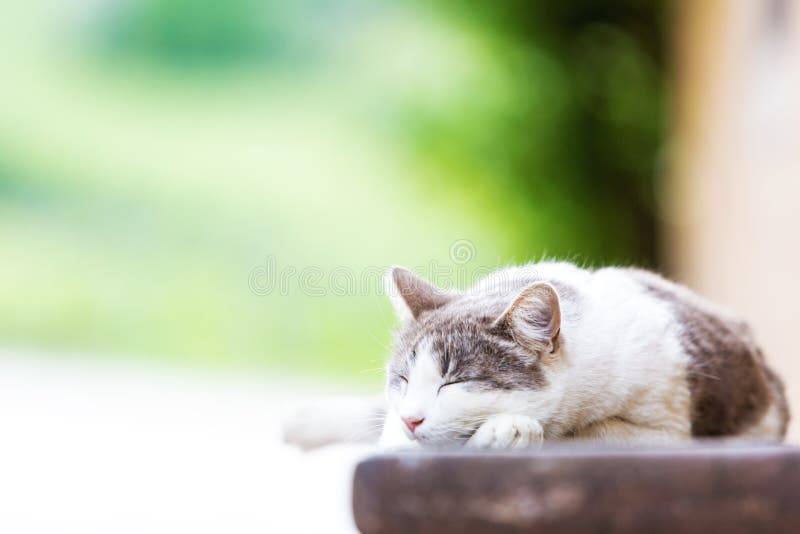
[{"x": 732, "y": 201}]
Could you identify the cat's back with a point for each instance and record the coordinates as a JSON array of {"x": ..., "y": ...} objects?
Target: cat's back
[
  {"x": 566, "y": 277},
  {"x": 733, "y": 391}
]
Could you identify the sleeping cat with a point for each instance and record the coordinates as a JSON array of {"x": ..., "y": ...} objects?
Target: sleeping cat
[{"x": 550, "y": 351}]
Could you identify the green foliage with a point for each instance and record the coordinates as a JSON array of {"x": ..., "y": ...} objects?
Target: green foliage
[
  {"x": 136, "y": 201},
  {"x": 191, "y": 32},
  {"x": 567, "y": 110},
  {"x": 579, "y": 133}
]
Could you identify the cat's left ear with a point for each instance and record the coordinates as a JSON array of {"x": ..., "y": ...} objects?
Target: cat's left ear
[
  {"x": 534, "y": 318},
  {"x": 411, "y": 295}
]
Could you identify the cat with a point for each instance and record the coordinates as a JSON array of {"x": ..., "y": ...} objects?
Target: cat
[{"x": 550, "y": 351}]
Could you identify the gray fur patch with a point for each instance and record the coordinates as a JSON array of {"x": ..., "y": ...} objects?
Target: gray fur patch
[
  {"x": 467, "y": 348},
  {"x": 730, "y": 384}
]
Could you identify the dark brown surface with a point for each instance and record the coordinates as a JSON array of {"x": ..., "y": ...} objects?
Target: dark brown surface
[{"x": 718, "y": 489}]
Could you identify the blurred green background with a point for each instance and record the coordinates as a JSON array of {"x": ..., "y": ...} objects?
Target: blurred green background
[{"x": 156, "y": 155}]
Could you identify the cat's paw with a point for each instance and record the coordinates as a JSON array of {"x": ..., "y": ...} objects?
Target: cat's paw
[{"x": 508, "y": 432}]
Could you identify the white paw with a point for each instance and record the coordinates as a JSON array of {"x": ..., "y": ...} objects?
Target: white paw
[{"x": 508, "y": 432}]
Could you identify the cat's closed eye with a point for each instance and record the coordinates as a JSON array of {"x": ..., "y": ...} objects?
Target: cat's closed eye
[{"x": 454, "y": 382}]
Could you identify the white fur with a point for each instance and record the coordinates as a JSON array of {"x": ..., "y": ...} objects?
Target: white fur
[{"x": 508, "y": 431}]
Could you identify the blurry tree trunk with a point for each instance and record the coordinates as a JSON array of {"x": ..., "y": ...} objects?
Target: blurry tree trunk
[{"x": 732, "y": 217}]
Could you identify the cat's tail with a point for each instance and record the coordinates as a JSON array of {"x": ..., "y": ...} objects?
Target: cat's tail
[{"x": 335, "y": 420}]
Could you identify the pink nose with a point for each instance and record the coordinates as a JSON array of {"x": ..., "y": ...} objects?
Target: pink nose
[{"x": 412, "y": 423}]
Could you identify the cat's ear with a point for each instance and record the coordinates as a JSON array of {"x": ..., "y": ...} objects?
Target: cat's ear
[
  {"x": 411, "y": 295},
  {"x": 534, "y": 318}
]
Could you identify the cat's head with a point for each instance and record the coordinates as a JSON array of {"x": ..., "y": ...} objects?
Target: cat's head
[{"x": 460, "y": 358}]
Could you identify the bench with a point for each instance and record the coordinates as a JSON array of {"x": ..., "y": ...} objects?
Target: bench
[{"x": 713, "y": 488}]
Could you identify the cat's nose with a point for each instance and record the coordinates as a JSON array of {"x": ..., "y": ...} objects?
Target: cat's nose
[{"x": 412, "y": 423}]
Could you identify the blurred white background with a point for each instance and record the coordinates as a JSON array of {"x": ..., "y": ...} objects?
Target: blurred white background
[{"x": 115, "y": 447}]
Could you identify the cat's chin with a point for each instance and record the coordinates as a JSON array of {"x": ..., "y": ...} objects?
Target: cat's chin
[{"x": 440, "y": 442}]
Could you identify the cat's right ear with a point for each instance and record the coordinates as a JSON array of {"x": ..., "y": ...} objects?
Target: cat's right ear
[
  {"x": 411, "y": 295},
  {"x": 534, "y": 318}
]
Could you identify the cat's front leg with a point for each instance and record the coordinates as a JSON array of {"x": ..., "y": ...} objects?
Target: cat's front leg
[
  {"x": 508, "y": 431},
  {"x": 620, "y": 432}
]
